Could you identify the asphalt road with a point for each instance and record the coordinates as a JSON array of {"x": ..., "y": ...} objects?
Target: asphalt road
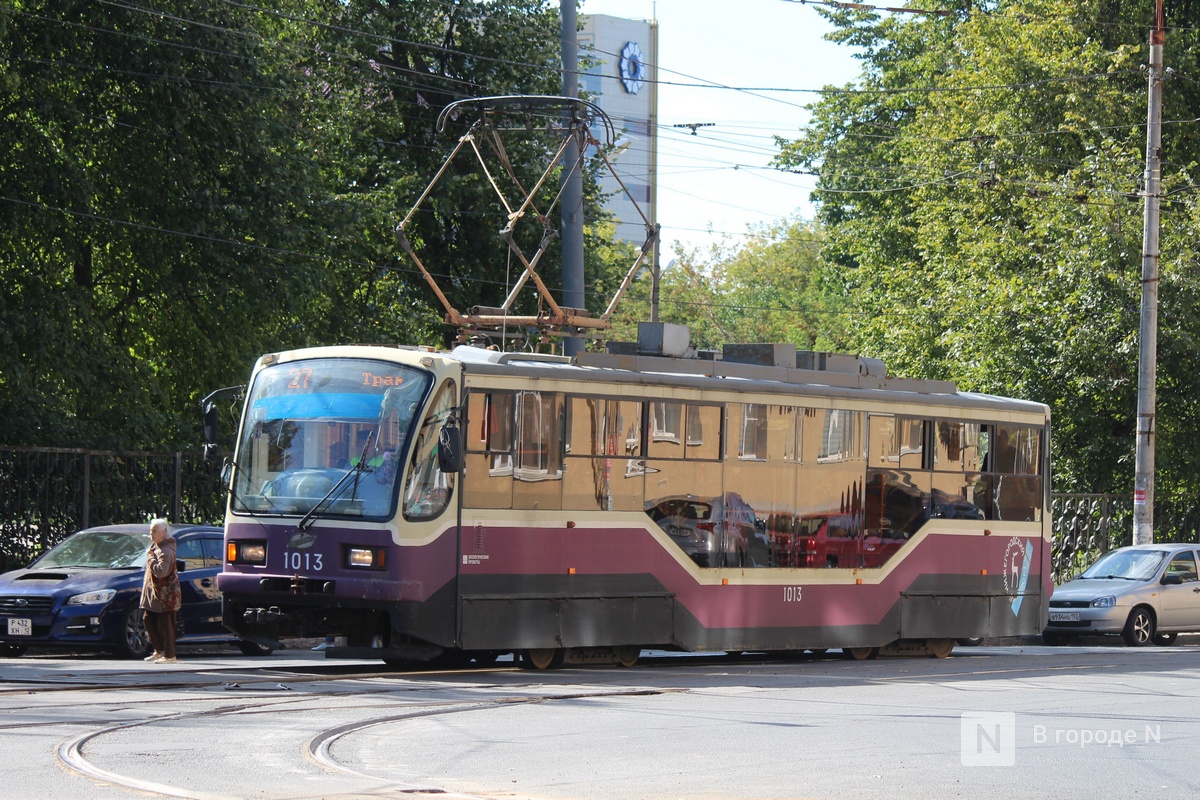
[{"x": 993, "y": 721}]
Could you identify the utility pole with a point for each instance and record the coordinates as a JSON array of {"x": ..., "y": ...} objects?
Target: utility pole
[
  {"x": 656, "y": 262},
  {"x": 572, "y": 181},
  {"x": 1143, "y": 483}
]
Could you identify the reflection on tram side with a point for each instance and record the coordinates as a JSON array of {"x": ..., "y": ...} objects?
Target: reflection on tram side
[{"x": 794, "y": 487}]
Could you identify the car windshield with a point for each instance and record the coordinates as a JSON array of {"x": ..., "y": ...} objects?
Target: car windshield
[
  {"x": 1132, "y": 565},
  {"x": 98, "y": 550}
]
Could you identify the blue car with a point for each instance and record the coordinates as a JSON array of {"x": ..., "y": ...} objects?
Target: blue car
[{"x": 83, "y": 593}]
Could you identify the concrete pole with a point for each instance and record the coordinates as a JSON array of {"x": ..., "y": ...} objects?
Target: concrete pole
[
  {"x": 572, "y": 181},
  {"x": 655, "y": 262},
  {"x": 1143, "y": 484}
]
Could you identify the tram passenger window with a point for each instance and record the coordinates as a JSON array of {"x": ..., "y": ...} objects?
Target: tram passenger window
[
  {"x": 753, "y": 439},
  {"x": 1017, "y": 487},
  {"x": 897, "y": 442},
  {"x": 957, "y": 446},
  {"x": 840, "y": 438},
  {"x": 487, "y": 476},
  {"x": 538, "y": 460},
  {"x": 896, "y": 505},
  {"x": 684, "y": 430},
  {"x": 603, "y": 470},
  {"x": 1017, "y": 450}
]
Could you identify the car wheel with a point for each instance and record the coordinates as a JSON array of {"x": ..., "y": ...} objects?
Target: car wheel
[
  {"x": 12, "y": 650},
  {"x": 134, "y": 641},
  {"x": 973, "y": 641},
  {"x": 1139, "y": 630},
  {"x": 1165, "y": 639},
  {"x": 253, "y": 648}
]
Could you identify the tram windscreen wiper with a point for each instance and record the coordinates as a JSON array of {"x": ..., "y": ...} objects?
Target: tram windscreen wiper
[
  {"x": 241, "y": 505},
  {"x": 308, "y": 519}
]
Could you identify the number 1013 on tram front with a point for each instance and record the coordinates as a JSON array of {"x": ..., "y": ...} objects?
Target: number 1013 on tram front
[{"x": 472, "y": 503}]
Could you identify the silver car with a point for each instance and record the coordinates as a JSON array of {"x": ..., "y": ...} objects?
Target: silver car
[{"x": 1146, "y": 593}]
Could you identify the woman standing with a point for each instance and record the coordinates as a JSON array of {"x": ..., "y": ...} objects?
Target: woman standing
[{"x": 160, "y": 593}]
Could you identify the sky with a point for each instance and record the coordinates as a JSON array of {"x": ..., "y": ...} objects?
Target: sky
[{"x": 717, "y": 180}]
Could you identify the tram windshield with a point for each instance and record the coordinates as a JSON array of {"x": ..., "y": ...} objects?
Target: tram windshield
[{"x": 332, "y": 430}]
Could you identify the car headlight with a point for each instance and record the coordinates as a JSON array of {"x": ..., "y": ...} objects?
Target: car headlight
[
  {"x": 96, "y": 598},
  {"x": 1104, "y": 602}
]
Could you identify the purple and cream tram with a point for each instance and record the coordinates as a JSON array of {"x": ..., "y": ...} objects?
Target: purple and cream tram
[{"x": 473, "y": 503}]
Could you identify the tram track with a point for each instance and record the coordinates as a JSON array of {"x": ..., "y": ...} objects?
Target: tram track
[{"x": 319, "y": 748}]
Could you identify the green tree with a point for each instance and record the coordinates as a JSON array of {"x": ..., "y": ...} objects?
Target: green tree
[
  {"x": 774, "y": 287},
  {"x": 185, "y": 189},
  {"x": 978, "y": 186}
]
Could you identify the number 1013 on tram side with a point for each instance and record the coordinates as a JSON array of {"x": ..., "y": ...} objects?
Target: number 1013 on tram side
[{"x": 473, "y": 503}]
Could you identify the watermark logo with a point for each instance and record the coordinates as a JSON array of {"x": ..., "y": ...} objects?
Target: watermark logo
[{"x": 988, "y": 739}]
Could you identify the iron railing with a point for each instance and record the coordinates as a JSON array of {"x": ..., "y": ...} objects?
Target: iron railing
[
  {"x": 47, "y": 493},
  {"x": 1088, "y": 525}
]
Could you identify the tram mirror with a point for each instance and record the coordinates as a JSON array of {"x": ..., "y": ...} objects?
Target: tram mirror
[
  {"x": 210, "y": 423},
  {"x": 450, "y": 447}
]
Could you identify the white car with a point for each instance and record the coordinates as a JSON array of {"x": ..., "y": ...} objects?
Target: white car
[{"x": 1146, "y": 593}]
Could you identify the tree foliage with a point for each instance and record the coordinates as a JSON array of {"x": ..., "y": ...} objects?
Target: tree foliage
[
  {"x": 772, "y": 288},
  {"x": 185, "y": 187},
  {"x": 979, "y": 186}
]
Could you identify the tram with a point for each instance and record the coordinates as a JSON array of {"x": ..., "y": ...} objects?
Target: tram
[{"x": 471, "y": 503}]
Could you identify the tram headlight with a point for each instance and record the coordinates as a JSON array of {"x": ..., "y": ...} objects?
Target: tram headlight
[
  {"x": 253, "y": 552},
  {"x": 1104, "y": 602},
  {"x": 366, "y": 557}
]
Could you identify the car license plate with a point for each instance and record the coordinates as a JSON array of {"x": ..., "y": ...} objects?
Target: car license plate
[
  {"x": 1064, "y": 616},
  {"x": 20, "y": 627}
]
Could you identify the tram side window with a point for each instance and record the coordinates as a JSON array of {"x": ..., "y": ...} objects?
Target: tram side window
[
  {"x": 829, "y": 491},
  {"x": 684, "y": 431},
  {"x": 488, "y": 473},
  {"x": 959, "y": 490},
  {"x": 538, "y": 460},
  {"x": 753, "y": 439},
  {"x": 760, "y": 476},
  {"x": 1016, "y": 472},
  {"x": 899, "y": 487},
  {"x": 603, "y": 470}
]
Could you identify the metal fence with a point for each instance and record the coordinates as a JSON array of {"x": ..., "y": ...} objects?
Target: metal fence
[
  {"x": 1087, "y": 525},
  {"x": 48, "y": 493}
]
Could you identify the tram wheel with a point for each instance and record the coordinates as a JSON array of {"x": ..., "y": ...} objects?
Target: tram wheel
[
  {"x": 627, "y": 656},
  {"x": 939, "y": 648},
  {"x": 861, "y": 653},
  {"x": 544, "y": 658}
]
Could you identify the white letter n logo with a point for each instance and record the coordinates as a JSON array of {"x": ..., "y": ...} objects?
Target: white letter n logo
[{"x": 989, "y": 739}]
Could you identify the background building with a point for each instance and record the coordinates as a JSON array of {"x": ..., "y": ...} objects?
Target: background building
[{"x": 620, "y": 70}]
